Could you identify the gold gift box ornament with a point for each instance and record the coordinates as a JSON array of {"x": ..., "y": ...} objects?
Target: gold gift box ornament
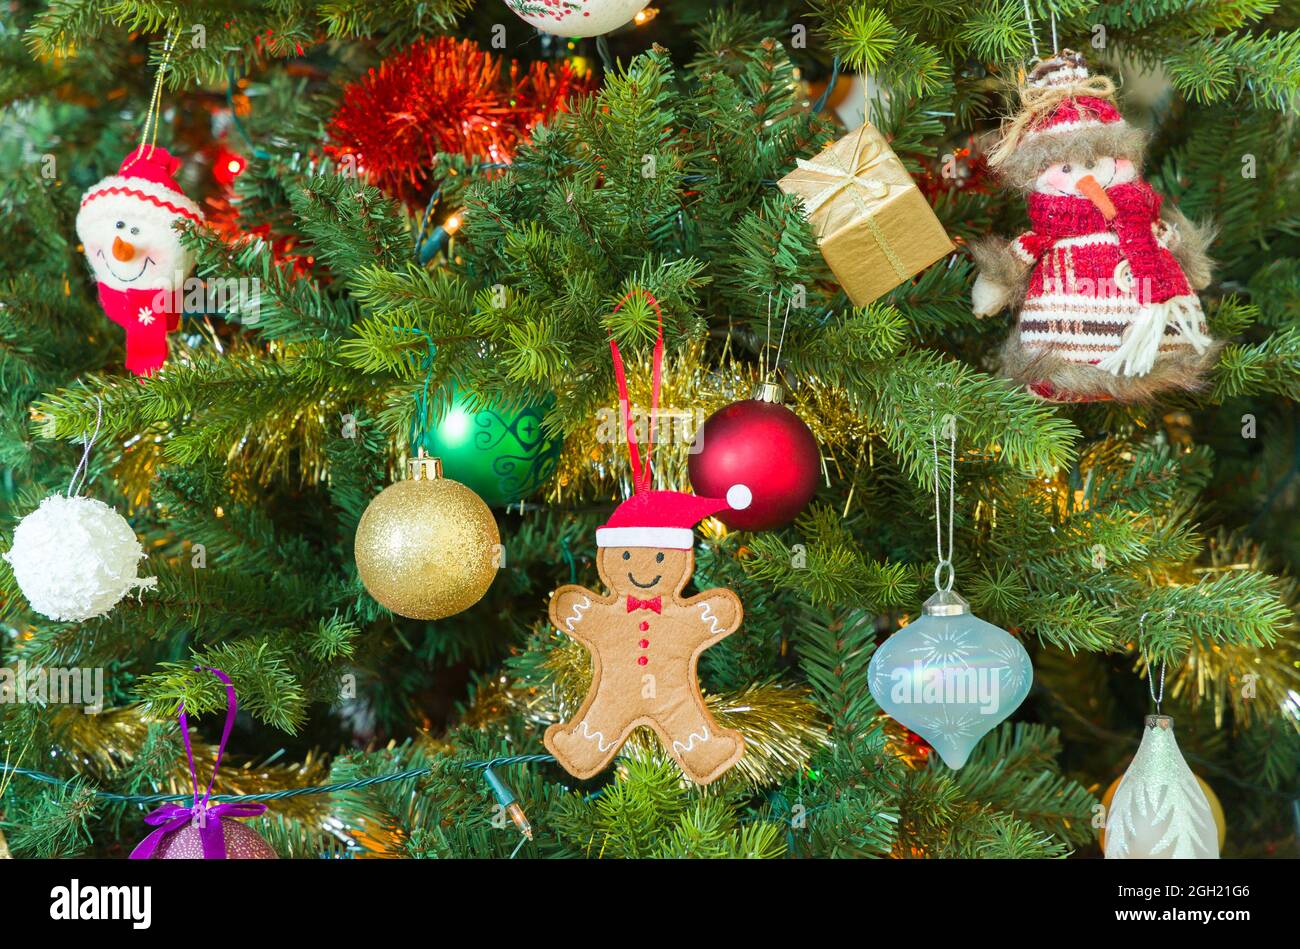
[{"x": 873, "y": 225}]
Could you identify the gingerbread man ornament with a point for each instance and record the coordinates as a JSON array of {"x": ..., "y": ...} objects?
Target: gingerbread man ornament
[{"x": 645, "y": 639}]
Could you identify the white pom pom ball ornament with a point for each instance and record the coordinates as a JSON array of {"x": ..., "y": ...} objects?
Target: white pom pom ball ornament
[
  {"x": 577, "y": 17},
  {"x": 75, "y": 557}
]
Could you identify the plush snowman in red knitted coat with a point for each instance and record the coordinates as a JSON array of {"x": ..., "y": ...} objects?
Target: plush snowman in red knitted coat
[
  {"x": 1104, "y": 283},
  {"x": 126, "y": 227}
]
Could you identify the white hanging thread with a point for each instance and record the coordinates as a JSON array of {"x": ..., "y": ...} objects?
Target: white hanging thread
[
  {"x": 768, "y": 341},
  {"x": 1151, "y": 683},
  {"x": 83, "y": 466},
  {"x": 938, "y": 507},
  {"x": 770, "y": 369},
  {"x": 1029, "y": 19},
  {"x": 780, "y": 344},
  {"x": 1055, "y": 47}
]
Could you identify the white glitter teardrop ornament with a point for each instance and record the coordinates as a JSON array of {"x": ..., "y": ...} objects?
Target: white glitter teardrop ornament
[
  {"x": 75, "y": 557},
  {"x": 1159, "y": 810}
]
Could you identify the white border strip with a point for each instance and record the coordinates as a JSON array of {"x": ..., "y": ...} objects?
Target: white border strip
[{"x": 673, "y": 538}]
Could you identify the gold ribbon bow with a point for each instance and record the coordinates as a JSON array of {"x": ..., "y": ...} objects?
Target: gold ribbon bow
[{"x": 867, "y": 155}]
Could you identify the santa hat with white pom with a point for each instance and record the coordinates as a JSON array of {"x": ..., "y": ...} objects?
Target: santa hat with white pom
[
  {"x": 144, "y": 189},
  {"x": 146, "y": 180},
  {"x": 665, "y": 519}
]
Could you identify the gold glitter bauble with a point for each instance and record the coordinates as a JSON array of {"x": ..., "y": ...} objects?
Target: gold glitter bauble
[{"x": 427, "y": 547}]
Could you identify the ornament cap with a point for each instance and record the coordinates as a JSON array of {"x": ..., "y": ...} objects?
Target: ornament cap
[
  {"x": 769, "y": 392},
  {"x": 424, "y": 467},
  {"x": 1160, "y": 721},
  {"x": 946, "y": 603}
]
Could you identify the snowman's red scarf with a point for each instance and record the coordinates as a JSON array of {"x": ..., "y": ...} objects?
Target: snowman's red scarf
[
  {"x": 1137, "y": 207},
  {"x": 146, "y": 343}
]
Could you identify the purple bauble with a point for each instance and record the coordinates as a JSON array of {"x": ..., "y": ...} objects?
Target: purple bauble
[
  {"x": 763, "y": 445},
  {"x": 242, "y": 843}
]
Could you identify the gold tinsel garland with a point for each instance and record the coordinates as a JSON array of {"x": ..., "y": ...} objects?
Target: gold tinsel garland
[
  {"x": 781, "y": 725},
  {"x": 593, "y": 465}
]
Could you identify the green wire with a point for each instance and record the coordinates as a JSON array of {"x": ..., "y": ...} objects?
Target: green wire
[{"x": 287, "y": 793}]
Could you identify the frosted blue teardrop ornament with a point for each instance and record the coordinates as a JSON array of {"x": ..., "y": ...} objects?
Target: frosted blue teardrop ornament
[{"x": 950, "y": 677}]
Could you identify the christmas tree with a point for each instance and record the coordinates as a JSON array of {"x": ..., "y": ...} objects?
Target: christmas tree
[{"x": 414, "y": 231}]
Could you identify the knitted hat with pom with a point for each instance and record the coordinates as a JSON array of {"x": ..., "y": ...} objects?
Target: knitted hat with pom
[
  {"x": 665, "y": 518},
  {"x": 143, "y": 188},
  {"x": 1066, "y": 115}
]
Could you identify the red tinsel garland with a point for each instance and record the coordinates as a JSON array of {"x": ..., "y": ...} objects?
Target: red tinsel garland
[{"x": 443, "y": 95}]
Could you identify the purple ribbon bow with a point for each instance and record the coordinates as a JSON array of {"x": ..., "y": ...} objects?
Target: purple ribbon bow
[{"x": 203, "y": 814}]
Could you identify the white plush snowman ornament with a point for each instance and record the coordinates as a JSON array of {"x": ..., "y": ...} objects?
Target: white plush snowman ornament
[
  {"x": 1104, "y": 283},
  {"x": 126, "y": 227},
  {"x": 577, "y": 17}
]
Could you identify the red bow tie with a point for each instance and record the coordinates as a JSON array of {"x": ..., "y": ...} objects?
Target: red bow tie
[{"x": 657, "y": 604}]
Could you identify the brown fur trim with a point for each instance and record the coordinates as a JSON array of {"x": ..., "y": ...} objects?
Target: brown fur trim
[
  {"x": 1184, "y": 370},
  {"x": 1115, "y": 140},
  {"x": 1191, "y": 248},
  {"x": 999, "y": 263}
]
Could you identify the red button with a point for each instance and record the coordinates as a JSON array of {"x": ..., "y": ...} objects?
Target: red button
[
  {"x": 644, "y": 626},
  {"x": 645, "y": 644},
  {"x": 642, "y": 661}
]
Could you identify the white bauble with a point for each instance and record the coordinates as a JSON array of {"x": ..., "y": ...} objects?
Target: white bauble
[
  {"x": 74, "y": 558},
  {"x": 1159, "y": 809},
  {"x": 577, "y": 17}
]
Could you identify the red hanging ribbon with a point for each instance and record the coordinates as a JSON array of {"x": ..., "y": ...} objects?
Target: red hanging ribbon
[{"x": 640, "y": 471}]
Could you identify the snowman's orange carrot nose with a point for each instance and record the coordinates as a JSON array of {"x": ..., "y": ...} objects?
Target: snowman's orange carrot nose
[
  {"x": 122, "y": 250},
  {"x": 1094, "y": 192}
]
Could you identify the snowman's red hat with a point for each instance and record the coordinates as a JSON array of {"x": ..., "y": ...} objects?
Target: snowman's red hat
[
  {"x": 144, "y": 185},
  {"x": 665, "y": 518},
  {"x": 1066, "y": 115}
]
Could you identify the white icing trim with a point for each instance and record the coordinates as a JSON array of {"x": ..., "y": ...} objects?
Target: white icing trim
[
  {"x": 597, "y": 737},
  {"x": 706, "y": 616},
  {"x": 673, "y": 538},
  {"x": 577, "y": 613},
  {"x": 702, "y": 735}
]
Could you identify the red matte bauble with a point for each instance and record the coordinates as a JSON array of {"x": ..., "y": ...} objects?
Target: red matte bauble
[{"x": 767, "y": 448}]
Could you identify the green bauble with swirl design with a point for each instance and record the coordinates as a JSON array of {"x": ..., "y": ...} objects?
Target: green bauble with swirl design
[{"x": 501, "y": 453}]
